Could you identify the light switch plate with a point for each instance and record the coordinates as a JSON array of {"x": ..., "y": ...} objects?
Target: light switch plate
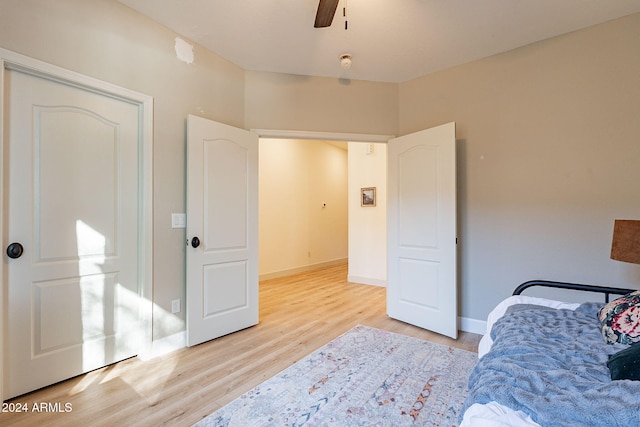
[{"x": 178, "y": 220}]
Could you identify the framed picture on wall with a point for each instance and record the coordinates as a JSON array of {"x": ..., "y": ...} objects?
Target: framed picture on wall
[{"x": 368, "y": 196}]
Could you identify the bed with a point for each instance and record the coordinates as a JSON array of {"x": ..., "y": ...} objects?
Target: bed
[{"x": 550, "y": 363}]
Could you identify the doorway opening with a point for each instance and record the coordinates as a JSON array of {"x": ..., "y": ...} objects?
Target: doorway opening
[{"x": 310, "y": 209}]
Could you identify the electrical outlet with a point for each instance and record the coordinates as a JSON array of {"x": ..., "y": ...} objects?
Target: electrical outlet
[{"x": 175, "y": 306}]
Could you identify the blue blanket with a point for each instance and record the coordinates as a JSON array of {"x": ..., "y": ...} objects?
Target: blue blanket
[{"x": 552, "y": 365}]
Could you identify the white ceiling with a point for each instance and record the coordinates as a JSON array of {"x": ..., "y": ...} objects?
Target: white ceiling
[{"x": 389, "y": 40}]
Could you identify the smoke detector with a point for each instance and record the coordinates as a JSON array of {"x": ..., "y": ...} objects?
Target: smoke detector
[{"x": 345, "y": 61}]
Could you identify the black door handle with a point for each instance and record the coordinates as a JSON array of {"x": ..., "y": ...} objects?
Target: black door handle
[
  {"x": 195, "y": 242},
  {"x": 15, "y": 250}
]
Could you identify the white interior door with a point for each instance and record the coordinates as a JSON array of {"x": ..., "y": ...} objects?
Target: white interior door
[
  {"x": 422, "y": 285},
  {"x": 222, "y": 214},
  {"x": 71, "y": 164}
]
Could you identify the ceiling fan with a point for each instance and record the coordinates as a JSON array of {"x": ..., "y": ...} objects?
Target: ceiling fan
[{"x": 325, "y": 13}]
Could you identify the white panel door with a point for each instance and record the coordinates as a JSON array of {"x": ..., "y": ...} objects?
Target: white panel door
[
  {"x": 422, "y": 285},
  {"x": 71, "y": 163},
  {"x": 222, "y": 217}
]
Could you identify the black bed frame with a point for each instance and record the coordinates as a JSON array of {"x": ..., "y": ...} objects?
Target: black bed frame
[{"x": 574, "y": 286}]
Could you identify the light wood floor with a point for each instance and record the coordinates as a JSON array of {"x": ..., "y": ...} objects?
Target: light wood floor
[{"x": 298, "y": 314}]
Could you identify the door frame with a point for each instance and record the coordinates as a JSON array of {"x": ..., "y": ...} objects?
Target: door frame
[
  {"x": 352, "y": 137},
  {"x": 323, "y": 136},
  {"x": 13, "y": 61}
]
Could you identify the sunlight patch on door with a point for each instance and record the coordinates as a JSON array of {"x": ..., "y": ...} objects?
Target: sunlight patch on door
[{"x": 106, "y": 307}]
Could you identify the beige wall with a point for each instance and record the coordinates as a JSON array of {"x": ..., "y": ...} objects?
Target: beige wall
[
  {"x": 297, "y": 178},
  {"x": 548, "y": 154},
  {"x": 108, "y": 41},
  {"x": 284, "y": 101}
]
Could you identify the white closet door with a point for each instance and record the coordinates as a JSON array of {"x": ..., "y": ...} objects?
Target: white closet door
[{"x": 72, "y": 191}]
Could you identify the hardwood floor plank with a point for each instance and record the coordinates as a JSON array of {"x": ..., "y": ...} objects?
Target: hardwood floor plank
[{"x": 298, "y": 314}]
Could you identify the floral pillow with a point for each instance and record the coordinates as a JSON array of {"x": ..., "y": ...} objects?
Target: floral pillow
[{"x": 620, "y": 319}]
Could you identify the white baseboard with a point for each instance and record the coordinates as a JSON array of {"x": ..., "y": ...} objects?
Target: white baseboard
[
  {"x": 296, "y": 270},
  {"x": 166, "y": 345},
  {"x": 367, "y": 281},
  {"x": 472, "y": 325}
]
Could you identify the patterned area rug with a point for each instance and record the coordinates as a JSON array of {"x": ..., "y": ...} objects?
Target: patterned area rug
[{"x": 366, "y": 377}]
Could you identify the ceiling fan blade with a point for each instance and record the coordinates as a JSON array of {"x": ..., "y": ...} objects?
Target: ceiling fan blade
[{"x": 326, "y": 11}]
